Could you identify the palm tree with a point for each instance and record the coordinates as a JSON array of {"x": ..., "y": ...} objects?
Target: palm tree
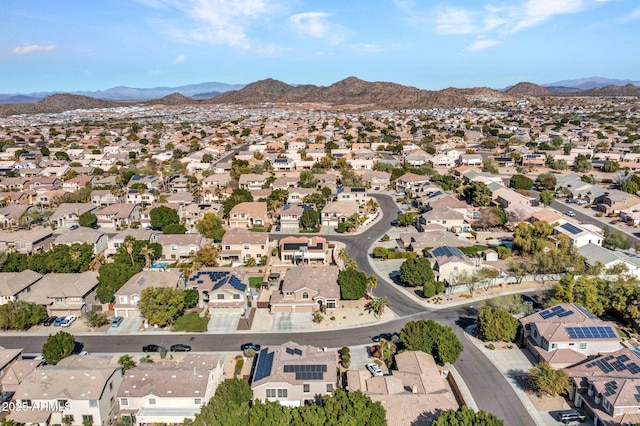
[
  {"x": 372, "y": 282},
  {"x": 147, "y": 252},
  {"x": 387, "y": 351},
  {"x": 128, "y": 245},
  {"x": 377, "y": 306},
  {"x": 343, "y": 254},
  {"x": 75, "y": 255},
  {"x": 97, "y": 262},
  {"x": 351, "y": 264}
]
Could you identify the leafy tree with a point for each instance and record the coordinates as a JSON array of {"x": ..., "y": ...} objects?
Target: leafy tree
[
  {"x": 58, "y": 346},
  {"x": 491, "y": 217},
  {"x": 229, "y": 406},
  {"x": 133, "y": 252},
  {"x": 237, "y": 196},
  {"x": 497, "y": 324},
  {"x": 162, "y": 216},
  {"x": 432, "y": 338},
  {"x": 547, "y": 181},
  {"x": 126, "y": 362},
  {"x": 61, "y": 155},
  {"x": 353, "y": 284},
  {"x": 380, "y": 252},
  {"x": 353, "y": 408},
  {"x": 429, "y": 289},
  {"x": 174, "y": 228},
  {"x": 61, "y": 259},
  {"x": 207, "y": 255},
  {"x": 548, "y": 380},
  {"x": 317, "y": 198},
  {"x": 614, "y": 238},
  {"x": 610, "y": 166},
  {"x": 211, "y": 226},
  {"x": 547, "y": 198},
  {"x": 520, "y": 182},
  {"x": 21, "y": 315},
  {"x": 191, "y": 297},
  {"x": 591, "y": 292},
  {"x": 310, "y": 219},
  {"x": 406, "y": 219},
  {"x": 478, "y": 194},
  {"x": 582, "y": 163},
  {"x": 416, "y": 272},
  {"x": 87, "y": 220},
  {"x": 467, "y": 417},
  {"x": 161, "y": 305},
  {"x": 96, "y": 319},
  {"x": 307, "y": 179},
  {"x": 111, "y": 277}
]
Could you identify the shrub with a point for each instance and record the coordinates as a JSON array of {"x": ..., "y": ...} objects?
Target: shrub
[
  {"x": 342, "y": 228},
  {"x": 439, "y": 287},
  {"x": 402, "y": 255},
  {"x": 380, "y": 252},
  {"x": 503, "y": 252},
  {"x": 429, "y": 289}
]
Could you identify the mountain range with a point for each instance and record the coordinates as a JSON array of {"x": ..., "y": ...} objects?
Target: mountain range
[{"x": 348, "y": 94}]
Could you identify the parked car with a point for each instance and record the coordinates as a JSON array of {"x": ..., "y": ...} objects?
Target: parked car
[
  {"x": 570, "y": 213},
  {"x": 254, "y": 346},
  {"x": 49, "y": 321},
  {"x": 395, "y": 222},
  {"x": 6, "y": 396},
  {"x": 375, "y": 370},
  {"x": 568, "y": 416},
  {"x": 373, "y": 349},
  {"x": 180, "y": 348},
  {"x": 117, "y": 321},
  {"x": 151, "y": 348},
  {"x": 68, "y": 321},
  {"x": 581, "y": 202},
  {"x": 385, "y": 336},
  {"x": 73, "y": 227},
  {"x": 58, "y": 321}
]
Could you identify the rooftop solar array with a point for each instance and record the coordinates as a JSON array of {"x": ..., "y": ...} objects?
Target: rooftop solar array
[
  {"x": 586, "y": 312},
  {"x": 292, "y": 351},
  {"x": 220, "y": 278},
  {"x": 612, "y": 363},
  {"x": 606, "y": 332},
  {"x": 556, "y": 310},
  {"x": 570, "y": 227},
  {"x": 447, "y": 251},
  {"x": 637, "y": 395},
  {"x": 610, "y": 388},
  {"x": 265, "y": 362},
  {"x": 307, "y": 372}
]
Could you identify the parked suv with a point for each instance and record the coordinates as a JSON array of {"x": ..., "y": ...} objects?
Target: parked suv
[
  {"x": 375, "y": 370},
  {"x": 568, "y": 416}
]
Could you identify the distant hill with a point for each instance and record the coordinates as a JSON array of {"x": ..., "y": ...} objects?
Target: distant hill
[
  {"x": 529, "y": 89},
  {"x": 17, "y": 99},
  {"x": 172, "y": 99},
  {"x": 207, "y": 95},
  {"x": 591, "y": 83},
  {"x": 612, "y": 90},
  {"x": 56, "y": 104}
]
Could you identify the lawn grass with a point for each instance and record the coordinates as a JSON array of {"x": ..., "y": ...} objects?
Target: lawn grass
[
  {"x": 191, "y": 322},
  {"x": 255, "y": 281}
]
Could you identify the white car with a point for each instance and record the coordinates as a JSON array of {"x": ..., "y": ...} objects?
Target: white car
[
  {"x": 68, "y": 321},
  {"x": 375, "y": 370}
]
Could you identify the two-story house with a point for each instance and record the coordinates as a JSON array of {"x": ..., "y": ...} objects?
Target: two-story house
[
  {"x": 16, "y": 285},
  {"x": 289, "y": 215},
  {"x": 222, "y": 290},
  {"x": 117, "y": 216},
  {"x": 67, "y": 214},
  {"x": 249, "y": 215},
  {"x": 307, "y": 289},
  {"x": 303, "y": 250},
  {"x": 450, "y": 219},
  {"x": 179, "y": 247},
  {"x": 240, "y": 244},
  {"x": 96, "y": 238},
  {"x": 358, "y": 195},
  {"x": 252, "y": 181},
  {"x": 27, "y": 241},
  {"x": 65, "y": 294},
  {"x": 104, "y": 197},
  {"x": 128, "y": 296},
  {"x": 338, "y": 211}
]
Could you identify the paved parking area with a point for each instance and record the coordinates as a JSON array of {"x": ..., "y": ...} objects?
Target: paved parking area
[{"x": 223, "y": 323}]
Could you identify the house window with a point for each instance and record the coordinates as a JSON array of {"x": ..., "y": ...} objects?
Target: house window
[
  {"x": 123, "y": 299},
  {"x": 59, "y": 300},
  {"x": 26, "y": 402},
  {"x": 152, "y": 401},
  {"x": 124, "y": 402},
  {"x": 87, "y": 419},
  {"x": 110, "y": 386},
  {"x": 236, "y": 296},
  {"x": 221, "y": 297},
  {"x": 305, "y": 295},
  {"x": 282, "y": 393},
  {"x": 67, "y": 419},
  {"x": 331, "y": 304},
  {"x": 271, "y": 393},
  {"x": 174, "y": 247},
  {"x": 246, "y": 246},
  {"x": 583, "y": 345},
  {"x": 62, "y": 403},
  {"x": 93, "y": 403},
  {"x": 306, "y": 388},
  {"x": 227, "y": 247},
  {"x": 197, "y": 401},
  {"x": 329, "y": 387}
]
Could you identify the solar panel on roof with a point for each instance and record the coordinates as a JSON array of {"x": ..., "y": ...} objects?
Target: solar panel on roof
[
  {"x": 557, "y": 308},
  {"x": 569, "y": 227},
  {"x": 590, "y": 332},
  {"x": 546, "y": 314},
  {"x": 290, "y": 352},
  {"x": 586, "y": 312},
  {"x": 623, "y": 358},
  {"x": 265, "y": 363}
]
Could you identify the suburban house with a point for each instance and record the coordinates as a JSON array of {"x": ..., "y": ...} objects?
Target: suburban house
[
  {"x": 409, "y": 180},
  {"x": 579, "y": 235},
  {"x": 449, "y": 218},
  {"x": 567, "y": 334},
  {"x": 169, "y": 391},
  {"x": 78, "y": 390},
  {"x": 127, "y": 297},
  {"x": 13, "y": 369},
  {"x": 358, "y": 195},
  {"x": 240, "y": 244},
  {"x": 449, "y": 264},
  {"x": 16, "y": 285},
  {"x": 10, "y": 216},
  {"x": 470, "y": 160},
  {"x": 28, "y": 241},
  {"x": 418, "y": 241},
  {"x": 294, "y": 375},
  {"x": 104, "y": 197},
  {"x": 179, "y": 247},
  {"x": 118, "y": 216},
  {"x": 222, "y": 291},
  {"x": 416, "y": 391},
  {"x": 614, "y": 200},
  {"x": 377, "y": 179},
  {"x": 152, "y": 182},
  {"x": 144, "y": 198},
  {"x": 533, "y": 159},
  {"x": 303, "y": 250},
  {"x": 249, "y": 215},
  {"x": 289, "y": 215},
  {"x": 97, "y": 239},
  {"x": 307, "y": 289},
  {"x": 609, "y": 258},
  {"x": 442, "y": 161},
  {"x": 607, "y": 387},
  {"x": 297, "y": 194},
  {"x": 65, "y": 294},
  {"x": 117, "y": 240},
  {"x": 251, "y": 181},
  {"x": 67, "y": 214},
  {"x": 338, "y": 211}
]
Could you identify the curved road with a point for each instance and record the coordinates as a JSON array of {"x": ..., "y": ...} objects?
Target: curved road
[{"x": 488, "y": 386}]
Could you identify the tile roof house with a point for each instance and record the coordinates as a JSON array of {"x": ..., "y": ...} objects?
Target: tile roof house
[
  {"x": 377, "y": 179},
  {"x": 293, "y": 374},
  {"x": 449, "y": 218},
  {"x": 10, "y": 215},
  {"x": 297, "y": 194},
  {"x": 608, "y": 387},
  {"x": 249, "y": 215},
  {"x": 67, "y": 214},
  {"x": 16, "y": 285},
  {"x": 81, "y": 388},
  {"x": 13, "y": 368},
  {"x": 303, "y": 249},
  {"x": 96, "y": 238},
  {"x": 251, "y": 181},
  {"x": 240, "y": 244},
  {"x": 128, "y": 296},
  {"x": 566, "y": 334},
  {"x": 449, "y": 263},
  {"x": 352, "y": 194},
  {"x": 168, "y": 392},
  {"x": 104, "y": 197},
  {"x": 415, "y": 392},
  {"x": 338, "y": 211},
  {"x": 609, "y": 258},
  {"x": 307, "y": 289},
  {"x": 289, "y": 215},
  {"x": 65, "y": 294},
  {"x": 579, "y": 235},
  {"x": 178, "y": 247},
  {"x": 615, "y": 200},
  {"x": 222, "y": 290},
  {"x": 118, "y": 239},
  {"x": 409, "y": 180},
  {"x": 29, "y": 241},
  {"x": 118, "y": 215}
]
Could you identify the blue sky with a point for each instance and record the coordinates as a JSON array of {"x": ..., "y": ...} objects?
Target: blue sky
[{"x": 69, "y": 45}]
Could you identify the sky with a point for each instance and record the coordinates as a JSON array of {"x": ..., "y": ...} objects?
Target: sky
[{"x": 76, "y": 45}]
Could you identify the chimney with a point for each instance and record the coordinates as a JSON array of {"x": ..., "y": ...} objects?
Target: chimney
[{"x": 414, "y": 389}]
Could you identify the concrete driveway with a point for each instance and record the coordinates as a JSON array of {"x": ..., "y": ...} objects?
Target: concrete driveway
[
  {"x": 127, "y": 326},
  {"x": 223, "y": 323},
  {"x": 285, "y": 321}
]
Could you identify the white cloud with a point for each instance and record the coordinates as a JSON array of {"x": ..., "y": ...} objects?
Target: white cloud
[
  {"x": 454, "y": 21},
  {"x": 632, "y": 16},
  {"x": 33, "y": 48},
  {"x": 314, "y": 24},
  {"x": 536, "y": 12},
  {"x": 483, "y": 44},
  {"x": 180, "y": 59}
]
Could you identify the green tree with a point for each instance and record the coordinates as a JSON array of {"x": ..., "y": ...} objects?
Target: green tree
[
  {"x": 520, "y": 182},
  {"x": 307, "y": 179},
  {"x": 310, "y": 219},
  {"x": 96, "y": 319},
  {"x": 353, "y": 408},
  {"x": 126, "y": 362},
  {"x": 406, "y": 219},
  {"x": 87, "y": 220},
  {"x": 211, "y": 226},
  {"x": 174, "y": 228},
  {"x": 58, "y": 346},
  {"x": 377, "y": 305},
  {"x": 237, "y": 196},
  {"x": 547, "y": 181},
  {"x": 548, "y": 380},
  {"x": 496, "y": 323},
  {"x": 353, "y": 284},
  {"x": 465, "y": 416},
  {"x": 191, "y": 297},
  {"x": 229, "y": 406},
  {"x": 416, "y": 272},
  {"x": 614, "y": 238},
  {"x": 547, "y": 198},
  {"x": 162, "y": 216},
  {"x": 380, "y": 252},
  {"x": 582, "y": 163},
  {"x": 477, "y": 194},
  {"x": 428, "y": 289},
  {"x": 432, "y": 338},
  {"x": 21, "y": 315},
  {"x": 610, "y": 166},
  {"x": 112, "y": 277},
  {"x": 161, "y": 305}
]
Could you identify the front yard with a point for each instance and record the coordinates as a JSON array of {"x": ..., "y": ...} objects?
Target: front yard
[{"x": 191, "y": 322}]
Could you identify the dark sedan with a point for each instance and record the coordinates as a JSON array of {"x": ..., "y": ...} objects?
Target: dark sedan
[
  {"x": 385, "y": 336},
  {"x": 180, "y": 348},
  {"x": 254, "y": 346},
  {"x": 49, "y": 321},
  {"x": 151, "y": 348}
]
